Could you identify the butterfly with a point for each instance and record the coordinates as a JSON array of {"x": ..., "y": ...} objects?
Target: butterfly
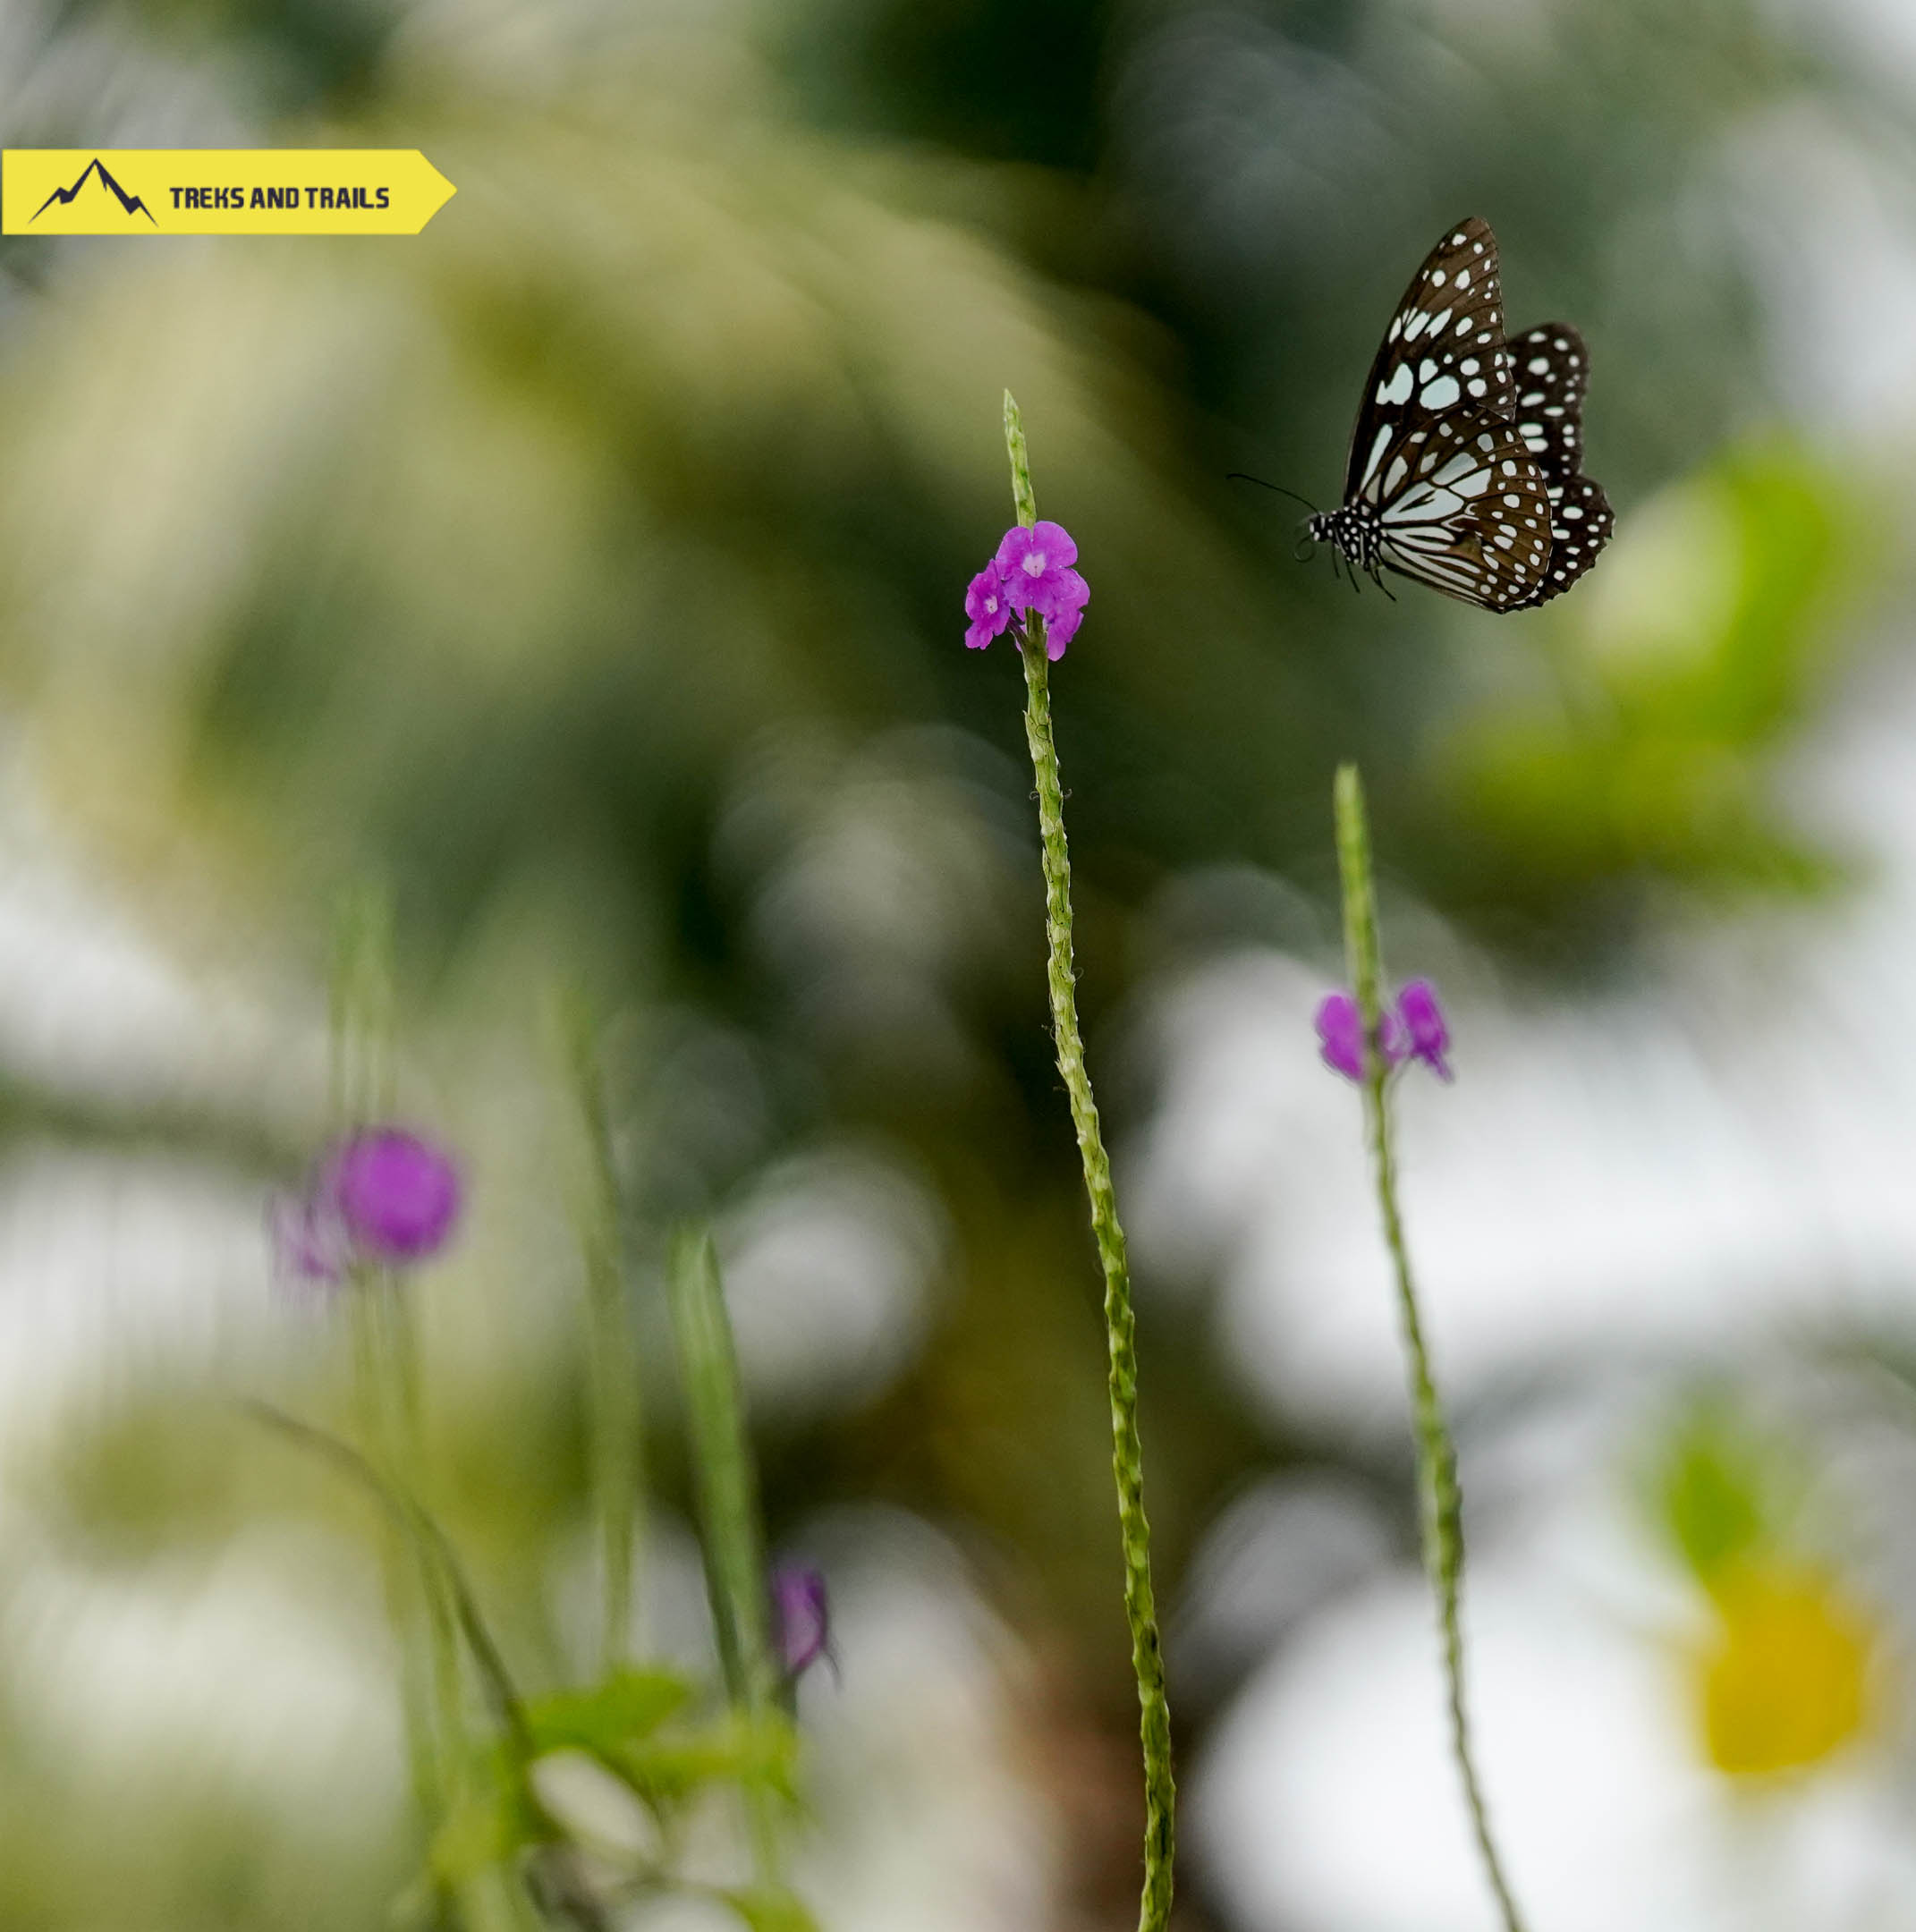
[{"x": 1465, "y": 469}]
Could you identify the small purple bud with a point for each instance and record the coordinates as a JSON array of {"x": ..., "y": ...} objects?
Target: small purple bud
[
  {"x": 397, "y": 1196},
  {"x": 800, "y": 1618},
  {"x": 1423, "y": 1021},
  {"x": 310, "y": 1243}
]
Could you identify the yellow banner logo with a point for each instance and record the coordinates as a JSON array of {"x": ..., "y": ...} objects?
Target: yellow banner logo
[{"x": 218, "y": 190}]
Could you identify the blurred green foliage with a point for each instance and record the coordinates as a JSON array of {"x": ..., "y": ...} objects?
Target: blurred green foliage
[
  {"x": 1722, "y": 1490},
  {"x": 1680, "y": 675}
]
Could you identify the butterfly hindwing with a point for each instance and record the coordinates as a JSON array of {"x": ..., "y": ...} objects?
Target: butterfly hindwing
[
  {"x": 1463, "y": 508},
  {"x": 1579, "y": 527},
  {"x": 1443, "y": 349},
  {"x": 1552, "y": 372}
]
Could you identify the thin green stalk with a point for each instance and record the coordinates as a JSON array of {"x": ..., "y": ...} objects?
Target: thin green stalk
[
  {"x": 386, "y": 1377},
  {"x": 1127, "y": 1455},
  {"x": 617, "y": 1424},
  {"x": 726, "y": 1480},
  {"x": 403, "y": 1589},
  {"x": 435, "y": 1554},
  {"x": 1440, "y": 1497}
]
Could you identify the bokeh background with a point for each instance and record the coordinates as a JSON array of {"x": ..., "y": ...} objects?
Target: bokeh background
[{"x": 586, "y": 574}]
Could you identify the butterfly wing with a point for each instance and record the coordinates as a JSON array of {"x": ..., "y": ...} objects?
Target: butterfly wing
[
  {"x": 1443, "y": 349},
  {"x": 1552, "y": 372},
  {"x": 1462, "y": 506}
]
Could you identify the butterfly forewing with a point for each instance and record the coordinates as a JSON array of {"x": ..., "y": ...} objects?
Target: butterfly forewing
[
  {"x": 1466, "y": 510},
  {"x": 1443, "y": 349},
  {"x": 1552, "y": 371}
]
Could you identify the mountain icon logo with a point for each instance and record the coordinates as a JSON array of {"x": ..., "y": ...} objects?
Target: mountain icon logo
[{"x": 132, "y": 204}]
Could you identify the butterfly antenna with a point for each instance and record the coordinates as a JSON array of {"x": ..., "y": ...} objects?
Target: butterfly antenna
[{"x": 1241, "y": 476}]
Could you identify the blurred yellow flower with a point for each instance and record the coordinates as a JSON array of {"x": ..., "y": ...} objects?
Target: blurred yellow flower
[{"x": 1792, "y": 1674}]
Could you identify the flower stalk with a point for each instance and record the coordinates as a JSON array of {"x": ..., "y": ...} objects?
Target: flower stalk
[
  {"x": 386, "y": 1377},
  {"x": 1439, "y": 1494},
  {"x": 1127, "y": 1459}
]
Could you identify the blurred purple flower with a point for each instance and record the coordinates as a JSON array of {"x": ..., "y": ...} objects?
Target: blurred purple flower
[
  {"x": 1413, "y": 1028},
  {"x": 1341, "y": 1034},
  {"x": 1423, "y": 1021},
  {"x": 398, "y": 1195},
  {"x": 800, "y": 1618},
  {"x": 987, "y": 606},
  {"x": 309, "y": 1241},
  {"x": 382, "y": 1195}
]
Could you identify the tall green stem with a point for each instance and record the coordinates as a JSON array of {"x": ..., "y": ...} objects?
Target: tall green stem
[
  {"x": 1440, "y": 1497},
  {"x": 386, "y": 1375},
  {"x": 1127, "y": 1455}
]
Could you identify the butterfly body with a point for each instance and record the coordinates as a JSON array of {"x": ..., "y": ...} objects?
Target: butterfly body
[{"x": 1465, "y": 463}]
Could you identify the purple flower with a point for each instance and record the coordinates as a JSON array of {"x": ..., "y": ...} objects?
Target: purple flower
[
  {"x": 382, "y": 1196},
  {"x": 1032, "y": 573},
  {"x": 1340, "y": 1032},
  {"x": 800, "y": 1618},
  {"x": 1061, "y": 623},
  {"x": 987, "y": 606},
  {"x": 398, "y": 1196},
  {"x": 1036, "y": 565},
  {"x": 1423, "y": 1021}
]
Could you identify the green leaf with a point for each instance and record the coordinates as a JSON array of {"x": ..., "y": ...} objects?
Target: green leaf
[
  {"x": 486, "y": 1829},
  {"x": 758, "y": 1753},
  {"x": 607, "y": 1717},
  {"x": 725, "y": 1476},
  {"x": 1722, "y": 1490},
  {"x": 1683, "y": 668},
  {"x": 767, "y": 1909}
]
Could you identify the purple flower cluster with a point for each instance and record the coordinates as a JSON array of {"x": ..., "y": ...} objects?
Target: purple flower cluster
[
  {"x": 1032, "y": 572},
  {"x": 1412, "y": 1030},
  {"x": 381, "y": 1196}
]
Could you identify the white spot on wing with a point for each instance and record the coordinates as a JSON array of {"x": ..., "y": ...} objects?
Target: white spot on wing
[
  {"x": 1398, "y": 389},
  {"x": 1378, "y": 445}
]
